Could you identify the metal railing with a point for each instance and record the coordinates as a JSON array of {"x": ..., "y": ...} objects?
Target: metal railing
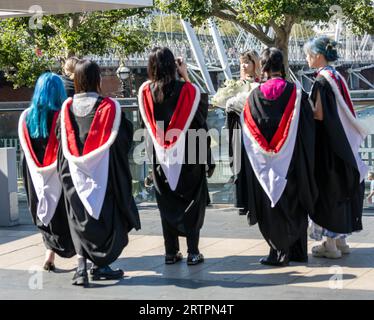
[{"x": 221, "y": 190}]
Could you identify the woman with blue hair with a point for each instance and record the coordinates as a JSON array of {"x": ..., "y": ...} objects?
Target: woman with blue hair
[
  {"x": 339, "y": 170},
  {"x": 39, "y": 145}
]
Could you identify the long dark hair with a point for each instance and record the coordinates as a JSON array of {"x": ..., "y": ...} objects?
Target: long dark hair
[
  {"x": 161, "y": 70},
  {"x": 271, "y": 60},
  {"x": 87, "y": 76}
]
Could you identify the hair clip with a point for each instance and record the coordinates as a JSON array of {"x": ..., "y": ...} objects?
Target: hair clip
[{"x": 329, "y": 46}]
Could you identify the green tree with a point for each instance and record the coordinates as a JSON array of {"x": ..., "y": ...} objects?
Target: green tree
[
  {"x": 18, "y": 56},
  {"x": 302, "y": 31},
  {"x": 168, "y": 23},
  {"x": 257, "y": 16},
  {"x": 26, "y": 52}
]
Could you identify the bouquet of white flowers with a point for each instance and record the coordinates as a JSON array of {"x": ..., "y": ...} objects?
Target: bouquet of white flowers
[{"x": 231, "y": 88}]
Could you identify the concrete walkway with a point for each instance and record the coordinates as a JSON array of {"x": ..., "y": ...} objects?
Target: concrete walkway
[{"x": 231, "y": 270}]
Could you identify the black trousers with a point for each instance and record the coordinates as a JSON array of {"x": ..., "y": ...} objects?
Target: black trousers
[{"x": 172, "y": 242}]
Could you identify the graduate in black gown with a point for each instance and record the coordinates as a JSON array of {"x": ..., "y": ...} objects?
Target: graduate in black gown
[
  {"x": 250, "y": 75},
  {"x": 278, "y": 139},
  {"x": 39, "y": 163},
  {"x": 169, "y": 106},
  {"x": 339, "y": 170},
  {"x": 95, "y": 138}
]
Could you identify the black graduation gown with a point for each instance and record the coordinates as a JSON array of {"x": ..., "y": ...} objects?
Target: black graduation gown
[
  {"x": 340, "y": 202},
  {"x": 69, "y": 86},
  {"x": 182, "y": 210},
  {"x": 56, "y": 236},
  {"x": 102, "y": 240},
  {"x": 233, "y": 125},
  {"x": 284, "y": 226}
]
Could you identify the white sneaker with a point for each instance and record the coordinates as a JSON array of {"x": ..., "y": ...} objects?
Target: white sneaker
[
  {"x": 344, "y": 248},
  {"x": 322, "y": 252}
]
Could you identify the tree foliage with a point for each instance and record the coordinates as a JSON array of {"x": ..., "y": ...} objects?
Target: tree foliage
[
  {"x": 26, "y": 52},
  {"x": 257, "y": 16}
]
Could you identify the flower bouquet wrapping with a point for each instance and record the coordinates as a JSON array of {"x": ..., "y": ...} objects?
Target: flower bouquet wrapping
[{"x": 231, "y": 88}]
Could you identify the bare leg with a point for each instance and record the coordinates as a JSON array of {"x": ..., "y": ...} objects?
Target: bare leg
[
  {"x": 49, "y": 263},
  {"x": 49, "y": 256}
]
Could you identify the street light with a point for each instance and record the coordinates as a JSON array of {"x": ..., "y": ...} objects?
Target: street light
[{"x": 123, "y": 73}]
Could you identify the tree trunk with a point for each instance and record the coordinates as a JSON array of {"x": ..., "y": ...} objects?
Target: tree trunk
[
  {"x": 281, "y": 42},
  {"x": 74, "y": 22},
  {"x": 282, "y": 36}
]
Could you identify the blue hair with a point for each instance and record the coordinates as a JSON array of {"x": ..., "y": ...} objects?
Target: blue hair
[
  {"x": 49, "y": 95},
  {"x": 323, "y": 45}
]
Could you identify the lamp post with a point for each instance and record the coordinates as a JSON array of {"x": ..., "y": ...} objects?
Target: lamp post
[{"x": 123, "y": 73}]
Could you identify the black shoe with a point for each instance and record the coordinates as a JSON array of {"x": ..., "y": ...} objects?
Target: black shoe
[
  {"x": 105, "y": 273},
  {"x": 49, "y": 266},
  {"x": 80, "y": 278},
  {"x": 251, "y": 218},
  {"x": 173, "y": 258},
  {"x": 276, "y": 258},
  {"x": 194, "y": 259}
]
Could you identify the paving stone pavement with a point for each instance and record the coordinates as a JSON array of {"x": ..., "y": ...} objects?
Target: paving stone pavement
[{"x": 231, "y": 269}]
